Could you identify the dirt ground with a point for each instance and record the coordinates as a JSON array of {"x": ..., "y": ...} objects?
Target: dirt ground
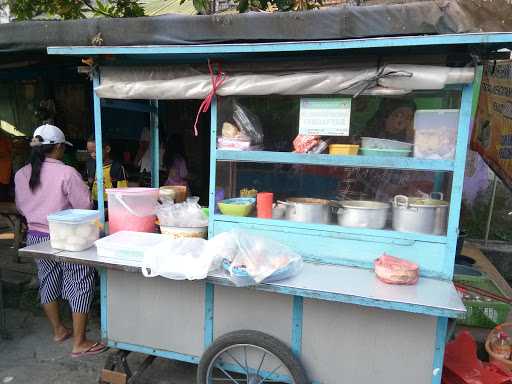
[{"x": 31, "y": 357}]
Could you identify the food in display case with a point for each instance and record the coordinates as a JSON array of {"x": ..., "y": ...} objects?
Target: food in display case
[{"x": 435, "y": 133}]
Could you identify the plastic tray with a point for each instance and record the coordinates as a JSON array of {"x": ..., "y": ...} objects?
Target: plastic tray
[{"x": 127, "y": 245}]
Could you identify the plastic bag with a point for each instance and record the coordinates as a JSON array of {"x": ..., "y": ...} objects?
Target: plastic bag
[
  {"x": 462, "y": 366},
  {"x": 188, "y": 214},
  {"x": 392, "y": 270},
  {"x": 248, "y": 123},
  {"x": 251, "y": 259},
  {"x": 178, "y": 259},
  {"x": 304, "y": 143}
]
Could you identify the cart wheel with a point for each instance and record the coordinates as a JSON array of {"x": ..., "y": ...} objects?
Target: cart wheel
[{"x": 249, "y": 357}]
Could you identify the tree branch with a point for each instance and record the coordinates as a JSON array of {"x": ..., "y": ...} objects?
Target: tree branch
[{"x": 95, "y": 10}]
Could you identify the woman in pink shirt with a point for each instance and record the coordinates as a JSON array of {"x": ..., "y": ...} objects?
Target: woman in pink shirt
[{"x": 46, "y": 186}]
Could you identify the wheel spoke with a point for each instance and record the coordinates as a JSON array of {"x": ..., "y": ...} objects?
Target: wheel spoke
[
  {"x": 236, "y": 361},
  {"x": 245, "y": 358},
  {"x": 227, "y": 375},
  {"x": 261, "y": 363},
  {"x": 270, "y": 374}
]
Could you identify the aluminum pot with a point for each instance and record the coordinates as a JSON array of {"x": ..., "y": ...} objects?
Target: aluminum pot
[
  {"x": 363, "y": 214},
  {"x": 441, "y": 223},
  {"x": 307, "y": 210},
  {"x": 414, "y": 214}
]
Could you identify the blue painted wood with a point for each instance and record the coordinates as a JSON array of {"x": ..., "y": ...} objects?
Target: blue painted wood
[
  {"x": 127, "y": 105},
  {"x": 209, "y": 298},
  {"x": 330, "y": 160},
  {"x": 99, "y": 146},
  {"x": 458, "y": 178},
  {"x": 349, "y": 249},
  {"x": 213, "y": 164},
  {"x": 155, "y": 352},
  {"x": 297, "y": 319},
  {"x": 441, "y": 329},
  {"x": 503, "y": 39},
  {"x": 398, "y": 238},
  {"x": 104, "y": 302},
  {"x": 155, "y": 145}
]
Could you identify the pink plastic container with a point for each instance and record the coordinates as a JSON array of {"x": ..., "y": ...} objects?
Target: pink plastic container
[{"x": 132, "y": 209}]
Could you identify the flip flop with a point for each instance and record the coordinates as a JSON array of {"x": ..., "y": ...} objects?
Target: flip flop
[
  {"x": 95, "y": 349},
  {"x": 66, "y": 336}
]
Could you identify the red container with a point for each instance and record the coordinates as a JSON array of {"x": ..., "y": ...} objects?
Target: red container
[{"x": 264, "y": 202}]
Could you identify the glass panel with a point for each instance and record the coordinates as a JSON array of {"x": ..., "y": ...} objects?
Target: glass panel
[
  {"x": 329, "y": 188},
  {"x": 271, "y": 123}
]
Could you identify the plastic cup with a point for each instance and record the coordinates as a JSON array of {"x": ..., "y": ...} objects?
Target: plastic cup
[{"x": 264, "y": 202}]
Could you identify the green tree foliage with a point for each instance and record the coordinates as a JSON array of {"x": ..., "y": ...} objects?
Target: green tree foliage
[{"x": 74, "y": 9}]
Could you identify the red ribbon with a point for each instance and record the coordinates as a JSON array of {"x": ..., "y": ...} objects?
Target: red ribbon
[{"x": 217, "y": 81}]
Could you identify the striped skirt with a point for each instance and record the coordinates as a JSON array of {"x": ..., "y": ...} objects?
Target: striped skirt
[{"x": 72, "y": 282}]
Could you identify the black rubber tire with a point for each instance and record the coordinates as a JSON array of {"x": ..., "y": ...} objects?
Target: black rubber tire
[{"x": 260, "y": 339}]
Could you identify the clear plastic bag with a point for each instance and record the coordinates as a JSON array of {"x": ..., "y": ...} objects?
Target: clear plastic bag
[
  {"x": 188, "y": 214},
  {"x": 178, "y": 259},
  {"x": 251, "y": 259},
  {"x": 248, "y": 123}
]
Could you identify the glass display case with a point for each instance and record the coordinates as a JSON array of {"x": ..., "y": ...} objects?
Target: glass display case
[{"x": 346, "y": 178}]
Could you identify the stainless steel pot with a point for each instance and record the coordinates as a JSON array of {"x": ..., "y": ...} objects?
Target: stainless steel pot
[
  {"x": 307, "y": 210},
  {"x": 441, "y": 221},
  {"x": 414, "y": 214},
  {"x": 363, "y": 214}
]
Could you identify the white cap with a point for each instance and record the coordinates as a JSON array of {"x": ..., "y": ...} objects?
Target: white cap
[{"x": 50, "y": 134}]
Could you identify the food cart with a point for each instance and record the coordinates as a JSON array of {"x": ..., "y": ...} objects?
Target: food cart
[{"x": 335, "y": 322}]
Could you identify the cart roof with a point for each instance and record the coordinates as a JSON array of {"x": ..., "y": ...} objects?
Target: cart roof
[{"x": 336, "y": 23}]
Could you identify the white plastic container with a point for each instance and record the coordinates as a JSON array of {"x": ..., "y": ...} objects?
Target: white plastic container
[
  {"x": 74, "y": 229},
  {"x": 180, "y": 232},
  {"x": 128, "y": 245},
  {"x": 435, "y": 133}
]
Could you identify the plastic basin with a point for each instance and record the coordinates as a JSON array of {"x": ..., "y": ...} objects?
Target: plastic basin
[
  {"x": 237, "y": 207},
  {"x": 386, "y": 152}
]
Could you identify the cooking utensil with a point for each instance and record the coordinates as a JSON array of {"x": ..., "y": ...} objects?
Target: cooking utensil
[
  {"x": 441, "y": 223},
  {"x": 363, "y": 214},
  {"x": 414, "y": 215},
  {"x": 308, "y": 210}
]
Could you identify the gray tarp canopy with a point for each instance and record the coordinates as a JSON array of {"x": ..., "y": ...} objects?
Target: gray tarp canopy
[
  {"x": 185, "y": 82},
  {"x": 410, "y": 18}
]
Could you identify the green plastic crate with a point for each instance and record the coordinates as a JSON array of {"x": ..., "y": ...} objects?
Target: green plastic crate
[{"x": 482, "y": 314}]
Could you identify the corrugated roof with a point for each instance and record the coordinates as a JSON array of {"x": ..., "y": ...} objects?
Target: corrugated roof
[{"x": 163, "y": 7}]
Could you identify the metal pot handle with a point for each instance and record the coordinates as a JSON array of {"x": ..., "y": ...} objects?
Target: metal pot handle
[
  {"x": 440, "y": 195},
  {"x": 401, "y": 201}
]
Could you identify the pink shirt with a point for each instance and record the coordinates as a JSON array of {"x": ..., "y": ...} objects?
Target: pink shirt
[{"x": 61, "y": 188}]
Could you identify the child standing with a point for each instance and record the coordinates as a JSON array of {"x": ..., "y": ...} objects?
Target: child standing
[{"x": 114, "y": 175}]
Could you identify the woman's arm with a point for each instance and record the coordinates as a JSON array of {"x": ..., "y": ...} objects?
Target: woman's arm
[{"x": 77, "y": 192}]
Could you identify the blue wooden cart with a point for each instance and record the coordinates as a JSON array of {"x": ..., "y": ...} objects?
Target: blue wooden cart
[{"x": 335, "y": 322}]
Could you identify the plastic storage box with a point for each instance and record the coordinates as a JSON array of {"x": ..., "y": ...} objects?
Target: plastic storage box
[
  {"x": 74, "y": 229},
  {"x": 435, "y": 133},
  {"x": 128, "y": 245},
  {"x": 483, "y": 313}
]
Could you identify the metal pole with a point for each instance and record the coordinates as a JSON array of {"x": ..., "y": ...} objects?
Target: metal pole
[
  {"x": 491, "y": 209},
  {"x": 155, "y": 145},
  {"x": 99, "y": 145}
]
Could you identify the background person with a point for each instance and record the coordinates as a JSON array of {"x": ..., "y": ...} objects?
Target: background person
[
  {"x": 114, "y": 175},
  {"x": 46, "y": 186},
  {"x": 175, "y": 161}
]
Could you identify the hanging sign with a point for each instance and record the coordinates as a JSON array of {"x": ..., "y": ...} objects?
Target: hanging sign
[
  {"x": 325, "y": 116},
  {"x": 492, "y": 130}
]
